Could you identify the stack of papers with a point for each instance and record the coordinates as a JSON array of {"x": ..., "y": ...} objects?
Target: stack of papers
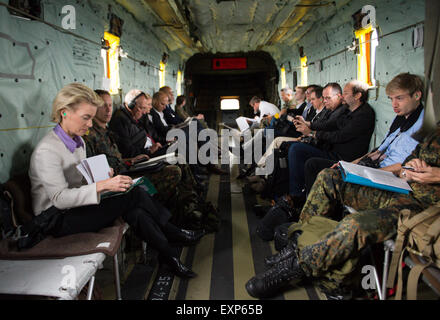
[
  {"x": 95, "y": 168},
  {"x": 168, "y": 157},
  {"x": 371, "y": 177}
]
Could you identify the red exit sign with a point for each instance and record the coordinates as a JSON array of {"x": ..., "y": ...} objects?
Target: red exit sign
[{"x": 229, "y": 63}]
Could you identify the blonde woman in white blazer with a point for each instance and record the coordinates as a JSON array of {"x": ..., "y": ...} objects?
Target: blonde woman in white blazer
[{"x": 55, "y": 182}]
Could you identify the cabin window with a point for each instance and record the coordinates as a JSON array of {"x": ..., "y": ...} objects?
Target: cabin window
[
  {"x": 283, "y": 77},
  {"x": 367, "y": 41},
  {"x": 303, "y": 61},
  {"x": 229, "y": 103},
  {"x": 162, "y": 67},
  {"x": 111, "y": 63},
  {"x": 179, "y": 83}
]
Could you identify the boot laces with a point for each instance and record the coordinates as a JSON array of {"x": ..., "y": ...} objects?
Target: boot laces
[{"x": 279, "y": 274}]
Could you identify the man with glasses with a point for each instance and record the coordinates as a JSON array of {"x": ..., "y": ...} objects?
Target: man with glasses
[
  {"x": 405, "y": 92},
  {"x": 345, "y": 137},
  {"x": 332, "y": 99}
]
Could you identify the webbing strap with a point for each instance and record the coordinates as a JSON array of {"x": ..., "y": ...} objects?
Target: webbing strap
[
  {"x": 430, "y": 237},
  {"x": 399, "y": 278},
  {"x": 413, "y": 279},
  {"x": 403, "y": 228}
]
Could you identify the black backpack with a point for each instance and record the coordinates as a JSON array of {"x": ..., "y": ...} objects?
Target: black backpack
[
  {"x": 7, "y": 221},
  {"x": 30, "y": 233}
]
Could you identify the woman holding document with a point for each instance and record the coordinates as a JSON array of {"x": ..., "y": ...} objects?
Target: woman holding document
[{"x": 56, "y": 182}]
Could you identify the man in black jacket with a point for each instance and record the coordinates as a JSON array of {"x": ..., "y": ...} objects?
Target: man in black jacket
[
  {"x": 131, "y": 137},
  {"x": 158, "y": 116},
  {"x": 171, "y": 117},
  {"x": 346, "y": 137}
]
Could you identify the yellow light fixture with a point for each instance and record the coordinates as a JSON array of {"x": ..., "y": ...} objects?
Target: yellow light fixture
[
  {"x": 179, "y": 83},
  {"x": 303, "y": 61},
  {"x": 112, "y": 62},
  {"x": 367, "y": 41},
  {"x": 162, "y": 67},
  {"x": 283, "y": 77}
]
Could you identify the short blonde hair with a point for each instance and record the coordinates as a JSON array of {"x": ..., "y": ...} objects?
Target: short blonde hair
[
  {"x": 406, "y": 81},
  {"x": 69, "y": 97}
]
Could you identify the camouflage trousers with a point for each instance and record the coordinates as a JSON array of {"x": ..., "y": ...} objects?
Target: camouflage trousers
[
  {"x": 166, "y": 181},
  {"x": 192, "y": 212},
  {"x": 177, "y": 190},
  {"x": 374, "y": 221}
]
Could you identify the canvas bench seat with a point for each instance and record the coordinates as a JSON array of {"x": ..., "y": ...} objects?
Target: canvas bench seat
[
  {"x": 57, "y": 278},
  {"x": 23, "y": 272}
]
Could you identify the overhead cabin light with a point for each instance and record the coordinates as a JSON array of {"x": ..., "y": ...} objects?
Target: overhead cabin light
[
  {"x": 303, "y": 62},
  {"x": 111, "y": 63},
  {"x": 283, "y": 76}
]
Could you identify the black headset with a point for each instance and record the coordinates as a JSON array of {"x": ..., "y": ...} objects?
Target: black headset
[{"x": 132, "y": 104}]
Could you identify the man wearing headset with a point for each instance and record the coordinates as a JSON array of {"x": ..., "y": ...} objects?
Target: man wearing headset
[{"x": 132, "y": 138}]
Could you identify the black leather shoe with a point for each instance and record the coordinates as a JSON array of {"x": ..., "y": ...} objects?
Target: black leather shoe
[
  {"x": 178, "y": 267},
  {"x": 280, "y": 276},
  {"x": 285, "y": 253},
  {"x": 187, "y": 236}
]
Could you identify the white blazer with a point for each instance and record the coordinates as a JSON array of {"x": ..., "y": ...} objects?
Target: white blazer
[{"x": 55, "y": 180}]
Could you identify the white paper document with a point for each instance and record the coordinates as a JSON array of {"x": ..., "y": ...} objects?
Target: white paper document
[
  {"x": 375, "y": 175},
  {"x": 242, "y": 123},
  {"x": 168, "y": 157},
  {"x": 95, "y": 168}
]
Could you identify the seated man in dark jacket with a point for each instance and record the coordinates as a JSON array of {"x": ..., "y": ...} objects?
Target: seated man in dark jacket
[
  {"x": 131, "y": 136},
  {"x": 405, "y": 92},
  {"x": 346, "y": 137},
  {"x": 328, "y": 100},
  {"x": 176, "y": 186},
  {"x": 171, "y": 117},
  {"x": 160, "y": 100}
]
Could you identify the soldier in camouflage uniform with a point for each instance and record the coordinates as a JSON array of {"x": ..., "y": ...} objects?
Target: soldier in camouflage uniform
[
  {"x": 175, "y": 184},
  {"x": 377, "y": 210},
  {"x": 287, "y": 96},
  {"x": 374, "y": 221}
]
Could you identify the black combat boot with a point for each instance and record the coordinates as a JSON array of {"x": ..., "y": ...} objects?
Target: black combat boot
[
  {"x": 271, "y": 282},
  {"x": 289, "y": 250}
]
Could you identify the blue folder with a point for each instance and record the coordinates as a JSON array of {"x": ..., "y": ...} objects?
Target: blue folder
[{"x": 352, "y": 178}]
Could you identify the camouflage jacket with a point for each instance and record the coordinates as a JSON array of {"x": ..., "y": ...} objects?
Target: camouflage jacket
[
  {"x": 101, "y": 141},
  {"x": 291, "y": 104},
  {"x": 429, "y": 151}
]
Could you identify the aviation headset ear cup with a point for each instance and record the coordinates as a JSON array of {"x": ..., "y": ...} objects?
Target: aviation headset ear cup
[{"x": 132, "y": 104}]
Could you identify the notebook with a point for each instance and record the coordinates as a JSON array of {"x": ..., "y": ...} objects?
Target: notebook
[
  {"x": 372, "y": 177},
  {"x": 96, "y": 169}
]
